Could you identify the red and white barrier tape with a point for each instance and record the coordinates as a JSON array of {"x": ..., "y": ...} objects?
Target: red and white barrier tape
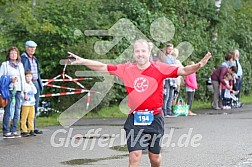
[
  {"x": 64, "y": 80},
  {"x": 64, "y": 93},
  {"x": 75, "y": 80}
]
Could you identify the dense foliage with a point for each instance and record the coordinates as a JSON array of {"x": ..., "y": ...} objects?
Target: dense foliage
[{"x": 58, "y": 26}]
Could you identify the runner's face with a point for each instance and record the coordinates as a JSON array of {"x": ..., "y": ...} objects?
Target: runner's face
[{"x": 141, "y": 53}]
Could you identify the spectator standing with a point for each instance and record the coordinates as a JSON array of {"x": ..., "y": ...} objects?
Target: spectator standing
[
  {"x": 28, "y": 103},
  {"x": 169, "y": 84},
  {"x": 179, "y": 81},
  {"x": 14, "y": 68},
  {"x": 229, "y": 60},
  {"x": 31, "y": 63},
  {"x": 191, "y": 86},
  {"x": 226, "y": 92},
  {"x": 239, "y": 74},
  {"x": 217, "y": 77}
]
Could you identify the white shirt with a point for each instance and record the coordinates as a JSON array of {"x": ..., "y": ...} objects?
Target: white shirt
[{"x": 31, "y": 91}]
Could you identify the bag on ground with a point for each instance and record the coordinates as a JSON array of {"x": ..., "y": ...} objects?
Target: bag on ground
[{"x": 180, "y": 109}]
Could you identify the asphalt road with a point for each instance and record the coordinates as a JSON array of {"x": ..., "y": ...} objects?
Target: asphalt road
[{"x": 213, "y": 138}]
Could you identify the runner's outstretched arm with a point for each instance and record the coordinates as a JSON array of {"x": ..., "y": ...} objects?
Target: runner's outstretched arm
[
  {"x": 92, "y": 64},
  {"x": 183, "y": 71}
]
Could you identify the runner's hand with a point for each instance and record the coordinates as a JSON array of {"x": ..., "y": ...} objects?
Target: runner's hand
[
  {"x": 74, "y": 59},
  {"x": 205, "y": 59}
]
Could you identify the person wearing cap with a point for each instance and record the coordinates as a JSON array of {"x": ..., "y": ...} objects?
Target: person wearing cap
[{"x": 31, "y": 63}]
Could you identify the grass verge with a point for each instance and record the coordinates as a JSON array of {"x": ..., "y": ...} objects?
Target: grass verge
[
  {"x": 108, "y": 112},
  {"x": 48, "y": 121},
  {"x": 114, "y": 112},
  {"x": 246, "y": 99}
]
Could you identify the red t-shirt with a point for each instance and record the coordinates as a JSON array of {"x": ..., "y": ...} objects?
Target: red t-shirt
[{"x": 144, "y": 87}]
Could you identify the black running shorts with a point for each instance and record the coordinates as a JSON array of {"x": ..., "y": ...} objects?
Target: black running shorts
[{"x": 141, "y": 137}]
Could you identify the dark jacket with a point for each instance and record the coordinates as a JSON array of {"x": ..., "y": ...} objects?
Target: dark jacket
[
  {"x": 218, "y": 74},
  {"x": 27, "y": 66}
]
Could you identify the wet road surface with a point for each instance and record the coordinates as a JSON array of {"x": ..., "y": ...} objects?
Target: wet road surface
[{"x": 213, "y": 138}]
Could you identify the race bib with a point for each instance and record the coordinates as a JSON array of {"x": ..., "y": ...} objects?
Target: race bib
[{"x": 143, "y": 117}]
